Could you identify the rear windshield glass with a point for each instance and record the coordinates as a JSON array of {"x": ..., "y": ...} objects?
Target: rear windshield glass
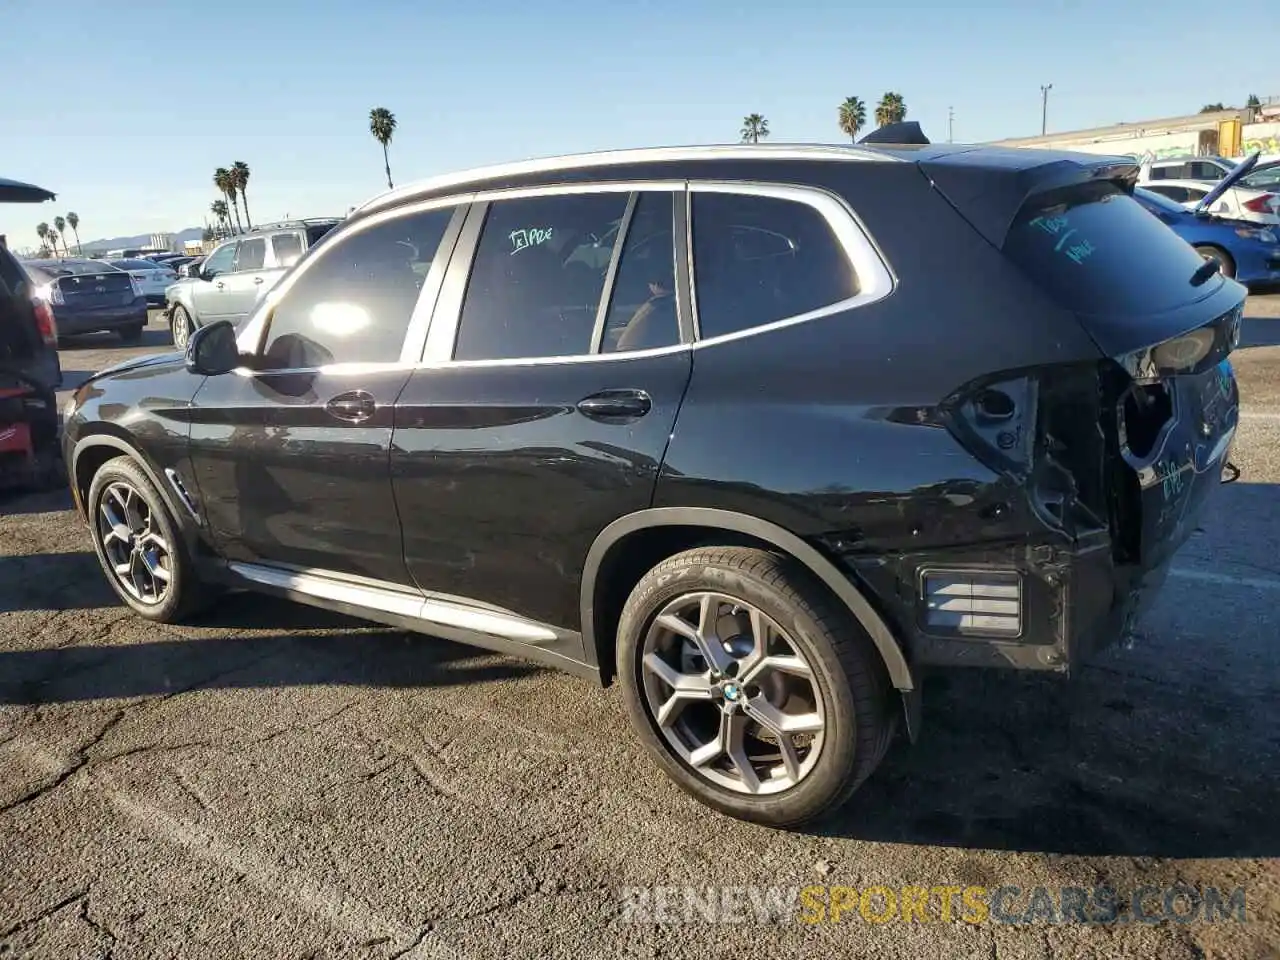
[{"x": 1095, "y": 249}]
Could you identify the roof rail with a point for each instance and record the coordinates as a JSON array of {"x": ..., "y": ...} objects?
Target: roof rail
[
  {"x": 608, "y": 158},
  {"x": 295, "y": 222}
]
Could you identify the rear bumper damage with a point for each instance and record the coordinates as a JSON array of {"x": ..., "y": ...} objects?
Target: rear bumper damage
[{"x": 1104, "y": 471}]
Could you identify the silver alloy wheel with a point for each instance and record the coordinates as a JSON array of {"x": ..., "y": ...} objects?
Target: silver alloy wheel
[
  {"x": 181, "y": 328},
  {"x": 731, "y": 694},
  {"x": 133, "y": 544}
]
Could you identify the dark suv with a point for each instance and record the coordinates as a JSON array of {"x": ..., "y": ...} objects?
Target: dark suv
[{"x": 761, "y": 432}]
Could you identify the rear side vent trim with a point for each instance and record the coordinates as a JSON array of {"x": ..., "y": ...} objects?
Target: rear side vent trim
[{"x": 975, "y": 602}]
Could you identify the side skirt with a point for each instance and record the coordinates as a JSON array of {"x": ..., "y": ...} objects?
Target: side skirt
[{"x": 472, "y": 624}]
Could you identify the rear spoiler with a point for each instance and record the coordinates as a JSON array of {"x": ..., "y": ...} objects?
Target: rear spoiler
[
  {"x": 989, "y": 186},
  {"x": 15, "y": 191}
]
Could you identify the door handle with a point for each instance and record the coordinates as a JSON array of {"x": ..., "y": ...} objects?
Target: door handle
[
  {"x": 355, "y": 406},
  {"x": 257, "y": 279},
  {"x": 219, "y": 284},
  {"x": 615, "y": 406}
]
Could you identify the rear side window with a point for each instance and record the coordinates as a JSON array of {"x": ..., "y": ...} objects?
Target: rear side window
[
  {"x": 286, "y": 248},
  {"x": 354, "y": 302},
  {"x": 251, "y": 255},
  {"x": 757, "y": 259},
  {"x": 538, "y": 276},
  {"x": 1095, "y": 250}
]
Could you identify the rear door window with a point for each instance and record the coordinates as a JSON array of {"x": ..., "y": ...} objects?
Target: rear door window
[
  {"x": 286, "y": 248},
  {"x": 757, "y": 259},
  {"x": 538, "y": 276},
  {"x": 1095, "y": 250},
  {"x": 251, "y": 255}
]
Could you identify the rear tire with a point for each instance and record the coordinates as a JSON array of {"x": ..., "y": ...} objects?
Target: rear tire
[
  {"x": 834, "y": 693},
  {"x": 1226, "y": 266},
  {"x": 139, "y": 544},
  {"x": 180, "y": 327}
]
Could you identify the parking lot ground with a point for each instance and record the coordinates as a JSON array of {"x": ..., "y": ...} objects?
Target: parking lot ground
[{"x": 273, "y": 781}]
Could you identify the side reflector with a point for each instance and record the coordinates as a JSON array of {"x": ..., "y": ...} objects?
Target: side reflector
[{"x": 972, "y": 603}]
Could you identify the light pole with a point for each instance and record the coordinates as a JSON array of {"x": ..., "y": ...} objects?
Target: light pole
[
  {"x": 1044, "y": 107},
  {"x": 951, "y": 116}
]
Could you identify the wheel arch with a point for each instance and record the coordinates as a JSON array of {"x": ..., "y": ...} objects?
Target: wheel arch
[
  {"x": 744, "y": 529},
  {"x": 1218, "y": 248},
  {"x": 92, "y": 451}
]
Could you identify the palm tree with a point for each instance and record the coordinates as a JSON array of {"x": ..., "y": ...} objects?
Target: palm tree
[
  {"x": 219, "y": 210},
  {"x": 73, "y": 221},
  {"x": 222, "y": 180},
  {"x": 382, "y": 124},
  {"x": 42, "y": 231},
  {"x": 240, "y": 179},
  {"x": 891, "y": 109},
  {"x": 853, "y": 115},
  {"x": 60, "y": 225},
  {"x": 754, "y": 128}
]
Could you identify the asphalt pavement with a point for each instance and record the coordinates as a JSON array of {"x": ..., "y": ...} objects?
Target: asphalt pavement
[{"x": 277, "y": 782}]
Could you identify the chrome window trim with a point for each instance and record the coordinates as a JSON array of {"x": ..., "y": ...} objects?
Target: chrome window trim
[
  {"x": 612, "y": 158},
  {"x": 443, "y": 334},
  {"x": 875, "y": 279},
  {"x": 250, "y": 337}
]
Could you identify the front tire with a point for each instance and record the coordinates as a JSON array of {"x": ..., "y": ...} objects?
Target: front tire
[
  {"x": 139, "y": 545},
  {"x": 752, "y": 688},
  {"x": 180, "y": 327}
]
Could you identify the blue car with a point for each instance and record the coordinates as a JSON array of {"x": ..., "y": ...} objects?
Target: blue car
[
  {"x": 1246, "y": 251},
  {"x": 87, "y": 296}
]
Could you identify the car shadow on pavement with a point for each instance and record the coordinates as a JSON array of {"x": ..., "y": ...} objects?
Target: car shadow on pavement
[
  {"x": 1028, "y": 763},
  {"x": 378, "y": 659}
]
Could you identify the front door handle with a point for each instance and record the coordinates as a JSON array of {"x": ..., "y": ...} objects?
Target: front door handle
[
  {"x": 355, "y": 406},
  {"x": 257, "y": 279},
  {"x": 219, "y": 284},
  {"x": 615, "y": 406}
]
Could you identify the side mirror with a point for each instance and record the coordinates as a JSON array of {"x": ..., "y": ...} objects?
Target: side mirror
[{"x": 212, "y": 350}]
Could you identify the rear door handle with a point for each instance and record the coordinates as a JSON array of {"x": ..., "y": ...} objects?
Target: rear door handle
[
  {"x": 354, "y": 406},
  {"x": 615, "y": 406},
  {"x": 257, "y": 279}
]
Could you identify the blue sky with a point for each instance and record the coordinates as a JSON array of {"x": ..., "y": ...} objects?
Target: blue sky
[{"x": 125, "y": 109}]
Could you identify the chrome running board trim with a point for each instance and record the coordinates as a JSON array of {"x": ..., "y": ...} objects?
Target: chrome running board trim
[{"x": 399, "y": 602}]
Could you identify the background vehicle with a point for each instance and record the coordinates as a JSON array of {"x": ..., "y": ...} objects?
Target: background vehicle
[
  {"x": 237, "y": 274},
  {"x": 30, "y": 452},
  {"x": 88, "y": 296},
  {"x": 28, "y": 331},
  {"x": 153, "y": 278},
  {"x": 763, "y": 463},
  {"x": 1241, "y": 249},
  {"x": 1237, "y": 203},
  {"x": 1189, "y": 167}
]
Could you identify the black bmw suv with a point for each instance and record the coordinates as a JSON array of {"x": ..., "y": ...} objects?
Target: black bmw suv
[{"x": 761, "y": 432}]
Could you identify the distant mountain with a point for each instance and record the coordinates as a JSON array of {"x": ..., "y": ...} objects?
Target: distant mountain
[{"x": 140, "y": 240}]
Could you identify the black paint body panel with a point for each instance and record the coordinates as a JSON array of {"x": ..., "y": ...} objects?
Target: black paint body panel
[{"x": 485, "y": 482}]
